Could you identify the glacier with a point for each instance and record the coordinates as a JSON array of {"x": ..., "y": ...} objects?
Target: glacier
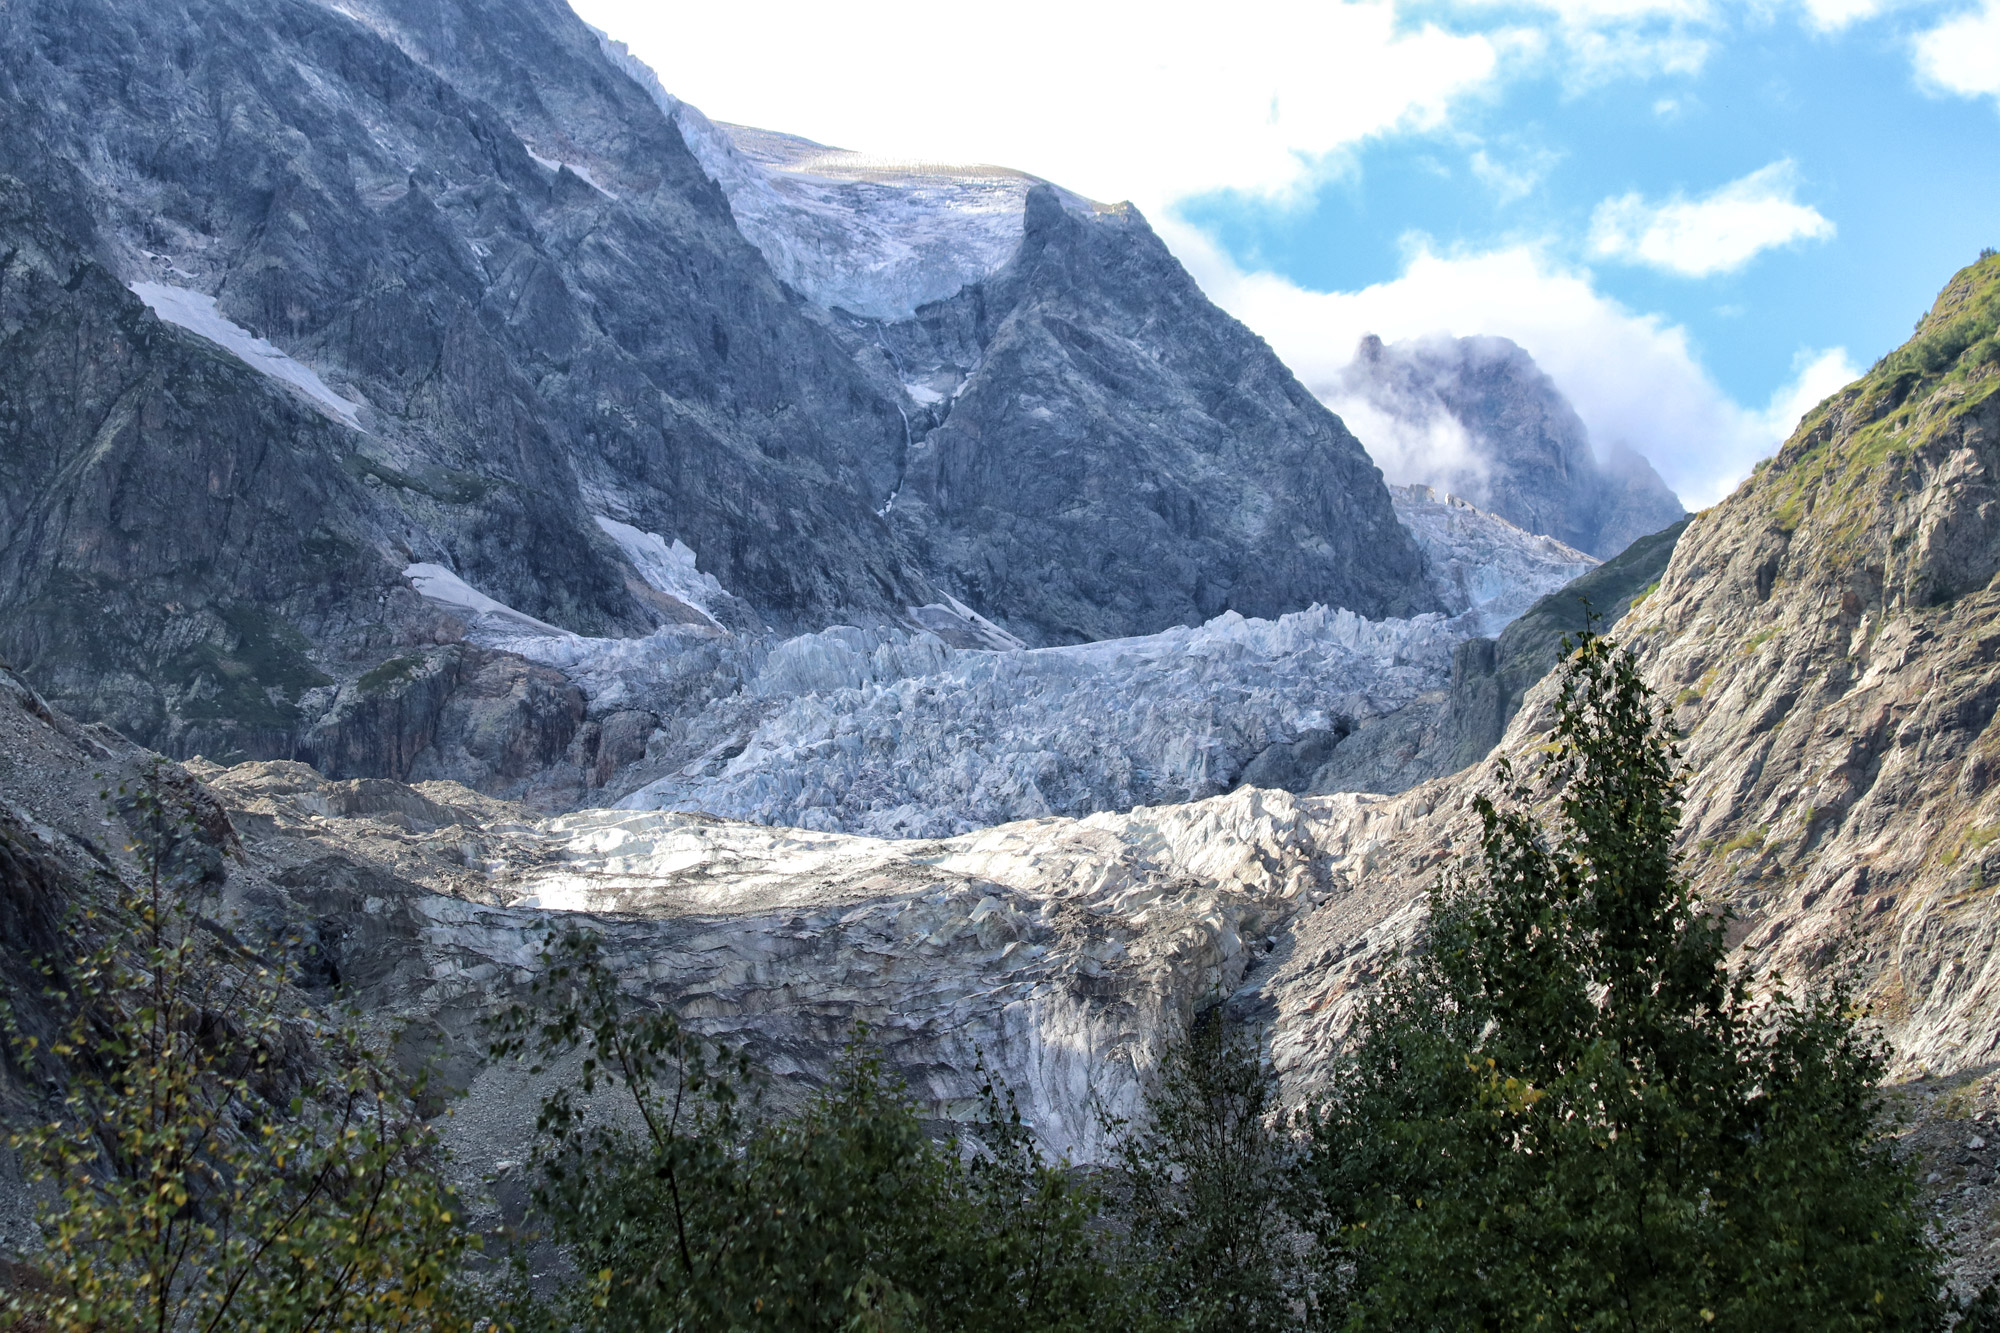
[
  {"x": 945, "y": 724},
  {"x": 873, "y": 236}
]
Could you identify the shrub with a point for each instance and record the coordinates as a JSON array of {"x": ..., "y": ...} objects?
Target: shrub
[
  {"x": 219, "y": 1166},
  {"x": 685, "y": 1207}
]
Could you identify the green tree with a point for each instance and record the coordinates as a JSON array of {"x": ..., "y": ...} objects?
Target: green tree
[
  {"x": 683, "y": 1207},
  {"x": 217, "y": 1165},
  {"x": 1569, "y": 1112},
  {"x": 1209, "y": 1173}
]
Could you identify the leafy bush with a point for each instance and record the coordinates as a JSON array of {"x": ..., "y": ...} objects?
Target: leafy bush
[{"x": 219, "y": 1166}]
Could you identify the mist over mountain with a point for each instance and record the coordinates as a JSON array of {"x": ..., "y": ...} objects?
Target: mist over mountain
[{"x": 1478, "y": 418}]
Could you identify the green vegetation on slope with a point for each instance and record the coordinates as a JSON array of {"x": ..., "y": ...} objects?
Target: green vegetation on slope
[{"x": 1950, "y": 365}]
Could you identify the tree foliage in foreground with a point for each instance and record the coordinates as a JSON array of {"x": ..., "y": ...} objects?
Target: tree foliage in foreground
[
  {"x": 684, "y": 1209},
  {"x": 1209, "y": 1173},
  {"x": 1570, "y": 1113},
  {"x": 200, "y": 1184}
]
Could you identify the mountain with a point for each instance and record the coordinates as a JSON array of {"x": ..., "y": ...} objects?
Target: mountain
[
  {"x": 1477, "y": 417},
  {"x": 1068, "y": 383},
  {"x": 300, "y": 297}
]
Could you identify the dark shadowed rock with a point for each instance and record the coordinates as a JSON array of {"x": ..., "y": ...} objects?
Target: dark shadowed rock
[{"x": 1117, "y": 456}]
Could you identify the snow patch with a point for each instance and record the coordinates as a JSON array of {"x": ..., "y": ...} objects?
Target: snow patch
[
  {"x": 581, "y": 173},
  {"x": 668, "y": 569},
  {"x": 195, "y": 312},
  {"x": 440, "y": 585}
]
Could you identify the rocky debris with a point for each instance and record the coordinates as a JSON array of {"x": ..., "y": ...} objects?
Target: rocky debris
[
  {"x": 1061, "y": 950},
  {"x": 1478, "y": 417},
  {"x": 1952, "y": 1126}
]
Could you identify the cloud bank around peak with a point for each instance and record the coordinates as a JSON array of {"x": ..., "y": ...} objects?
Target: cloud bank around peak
[{"x": 1634, "y": 378}]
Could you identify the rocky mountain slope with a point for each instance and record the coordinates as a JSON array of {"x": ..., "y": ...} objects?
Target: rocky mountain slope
[
  {"x": 1826, "y": 636},
  {"x": 300, "y": 295},
  {"x": 1478, "y": 418}
]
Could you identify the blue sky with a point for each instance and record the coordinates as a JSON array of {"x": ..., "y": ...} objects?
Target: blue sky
[
  {"x": 1699, "y": 217},
  {"x": 1908, "y": 182}
]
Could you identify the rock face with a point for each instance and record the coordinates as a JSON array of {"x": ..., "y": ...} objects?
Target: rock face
[
  {"x": 1113, "y": 456},
  {"x": 441, "y": 283},
  {"x": 1491, "y": 677},
  {"x": 1477, "y": 417}
]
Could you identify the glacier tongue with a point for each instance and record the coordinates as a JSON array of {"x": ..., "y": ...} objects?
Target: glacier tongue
[
  {"x": 910, "y": 733},
  {"x": 894, "y": 735}
]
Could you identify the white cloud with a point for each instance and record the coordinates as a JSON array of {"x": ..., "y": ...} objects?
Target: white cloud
[
  {"x": 1633, "y": 378},
  {"x": 1113, "y": 101},
  {"x": 1515, "y": 179},
  {"x": 1604, "y": 40},
  {"x": 1715, "y": 234},
  {"x": 1833, "y": 15},
  {"x": 1816, "y": 376},
  {"x": 1962, "y": 54}
]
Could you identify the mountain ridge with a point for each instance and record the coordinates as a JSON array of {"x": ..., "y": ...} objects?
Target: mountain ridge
[{"x": 440, "y": 213}]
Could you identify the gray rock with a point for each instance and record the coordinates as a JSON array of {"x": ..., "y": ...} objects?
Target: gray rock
[{"x": 1117, "y": 456}]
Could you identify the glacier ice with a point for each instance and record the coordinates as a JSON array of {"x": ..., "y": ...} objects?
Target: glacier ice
[
  {"x": 947, "y": 724},
  {"x": 872, "y": 236}
]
